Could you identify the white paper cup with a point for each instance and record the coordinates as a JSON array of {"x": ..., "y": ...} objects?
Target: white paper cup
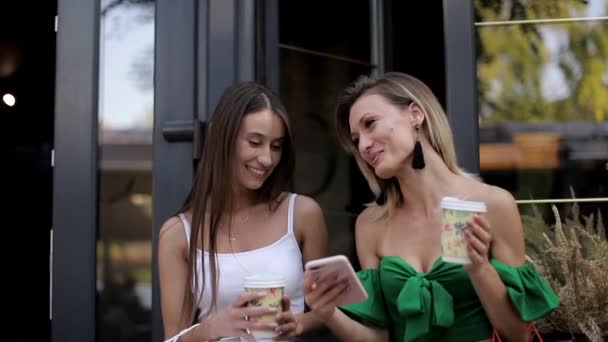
[
  {"x": 273, "y": 287},
  {"x": 455, "y": 215}
]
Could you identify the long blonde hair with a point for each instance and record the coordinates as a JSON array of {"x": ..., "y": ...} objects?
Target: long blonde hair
[{"x": 400, "y": 90}]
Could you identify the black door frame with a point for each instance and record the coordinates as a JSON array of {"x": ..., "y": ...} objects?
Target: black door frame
[
  {"x": 75, "y": 173},
  {"x": 174, "y": 104},
  {"x": 461, "y": 80}
]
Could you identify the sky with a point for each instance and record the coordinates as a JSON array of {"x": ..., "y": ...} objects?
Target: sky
[{"x": 125, "y": 37}]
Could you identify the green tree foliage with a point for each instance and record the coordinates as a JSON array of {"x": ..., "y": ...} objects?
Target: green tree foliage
[{"x": 512, "y": 60}]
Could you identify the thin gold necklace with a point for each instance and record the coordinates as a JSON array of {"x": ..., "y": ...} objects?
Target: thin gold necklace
[
  {"x": 231, "y": 238},
  {"x": 232, "y": 235}
]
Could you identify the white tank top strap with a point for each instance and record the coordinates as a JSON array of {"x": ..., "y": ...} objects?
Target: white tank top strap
[
  {"x": 290, "y": 211},
  {"x": 186, "y": 225}
]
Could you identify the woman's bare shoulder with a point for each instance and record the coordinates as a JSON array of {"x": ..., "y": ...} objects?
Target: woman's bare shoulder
[
  {"x": 307, "y": 210},
  {"x": 369, "y": 229},
  {"x": 496, "y": 198},
  {"x": 172, "y": 234},
  {"x": 307, "y": 203},
  {"x": 490, "y": 194},
  {"x": 369, "y": 224}
]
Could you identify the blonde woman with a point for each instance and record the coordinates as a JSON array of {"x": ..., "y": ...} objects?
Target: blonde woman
[{"x": 401, "y": 139}]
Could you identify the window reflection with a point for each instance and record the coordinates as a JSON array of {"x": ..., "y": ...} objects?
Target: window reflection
[
  {"x": 323, "y": 170},
  {"x": 318, "y": 59},
  {"x": 331, "y": 31},
  {"x": 513, "y": 10},
  {"x": 543, "y": 101},
  {"x": 124, "y": 248}
]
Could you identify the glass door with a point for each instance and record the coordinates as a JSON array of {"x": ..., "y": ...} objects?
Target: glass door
[
  {"x": 317, "y": 60},
  {"x": 125, "y": 122},
  {"x": 201, "y": 48}
]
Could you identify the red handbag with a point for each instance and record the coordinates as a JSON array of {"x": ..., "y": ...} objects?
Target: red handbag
[{"x": 533, "y": 333}]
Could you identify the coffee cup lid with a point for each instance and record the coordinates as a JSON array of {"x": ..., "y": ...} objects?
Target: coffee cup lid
[
  {"x": 264, "y": 281},
  {"x": 457, "y": 204}
]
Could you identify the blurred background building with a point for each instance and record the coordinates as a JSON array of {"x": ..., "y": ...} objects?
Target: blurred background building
[{"x": 103, "y": 103}]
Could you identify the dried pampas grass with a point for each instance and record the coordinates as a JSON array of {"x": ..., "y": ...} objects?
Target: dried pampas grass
[{"x": 572, "y": 255}]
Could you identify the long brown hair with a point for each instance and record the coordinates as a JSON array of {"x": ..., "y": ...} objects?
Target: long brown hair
[
  {"x": 401, "y": 90},
  {"x": 213, "y": 192}
]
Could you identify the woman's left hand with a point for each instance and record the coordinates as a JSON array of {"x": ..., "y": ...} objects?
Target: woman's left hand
[
  {"x": 479, "y": 238},
  {"x": 288, "y": 324}
]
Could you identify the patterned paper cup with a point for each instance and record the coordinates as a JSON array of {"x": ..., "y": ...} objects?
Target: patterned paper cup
[
  {"x": 273, "y": 288},
  {"x": 456, "y": 214}
]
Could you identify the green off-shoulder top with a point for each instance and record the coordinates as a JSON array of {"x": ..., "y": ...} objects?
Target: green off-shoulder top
[{"x": 441, "y": 304}]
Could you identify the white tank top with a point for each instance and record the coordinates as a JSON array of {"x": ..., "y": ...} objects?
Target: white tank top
[{"x": 282, "y": 257}]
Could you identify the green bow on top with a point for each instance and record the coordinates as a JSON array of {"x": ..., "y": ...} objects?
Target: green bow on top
[{"x": 424, "y": 303}]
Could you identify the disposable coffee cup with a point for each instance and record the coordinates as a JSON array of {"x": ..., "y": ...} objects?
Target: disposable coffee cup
[
  {"x": 272, "y": 287},
  {"x": 455, "y": 217}
]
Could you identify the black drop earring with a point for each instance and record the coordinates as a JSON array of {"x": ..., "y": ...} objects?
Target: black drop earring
[{"x": 418, "y": 157}]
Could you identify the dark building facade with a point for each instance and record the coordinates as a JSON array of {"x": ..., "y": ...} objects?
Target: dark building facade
[{"x": 131, "y": 84}]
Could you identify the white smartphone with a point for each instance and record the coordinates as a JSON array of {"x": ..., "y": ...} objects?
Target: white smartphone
[{"x": 340, "y": 266}]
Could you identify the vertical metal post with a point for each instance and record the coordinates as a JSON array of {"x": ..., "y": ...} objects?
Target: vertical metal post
[
  {"x": 461, "y": 79},
  {"x": 75, "y": 173},
  {"x": 377, "y": 36},
  {"x": 174, "y": 101}
]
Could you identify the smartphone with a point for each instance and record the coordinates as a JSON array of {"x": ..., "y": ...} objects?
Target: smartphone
[{"x": 339, "y": 265}]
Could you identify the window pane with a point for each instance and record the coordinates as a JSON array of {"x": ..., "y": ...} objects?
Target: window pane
[
  {"x": 310, "y": 82},
  {"x": 124, "y": 248},
  {"x": 492, "y": 11},
  {"x": 323, "y": 27},
  {"x": 543, "y": 107}
]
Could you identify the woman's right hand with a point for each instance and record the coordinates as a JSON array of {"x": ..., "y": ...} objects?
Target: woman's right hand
[
  {"x": 323, "y": 294},
  {"x": 231, "y": 321}
]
